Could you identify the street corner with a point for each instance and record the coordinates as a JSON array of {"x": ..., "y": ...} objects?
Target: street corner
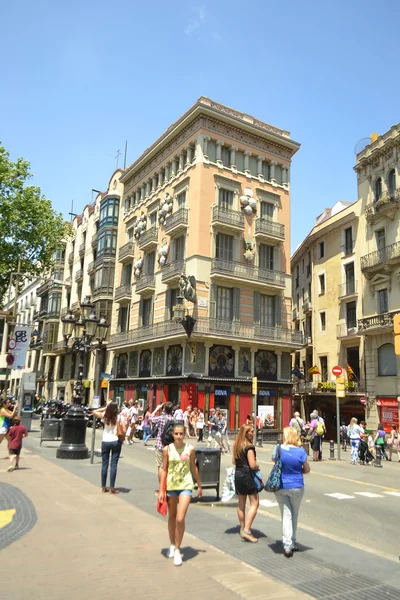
[{"x": 17, "y": 514}]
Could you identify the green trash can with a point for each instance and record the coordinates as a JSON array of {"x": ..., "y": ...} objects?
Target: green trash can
[
  {"x": 208, "y": 461},
  {"x": 26, "y": 419}
]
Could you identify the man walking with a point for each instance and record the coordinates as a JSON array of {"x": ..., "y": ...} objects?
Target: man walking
[
  {"x": 297, "y": 423},
  {"x": 160, "y": 420},
  {"x": 321, "y": 432},
  {"x": 214, "y": 434}
]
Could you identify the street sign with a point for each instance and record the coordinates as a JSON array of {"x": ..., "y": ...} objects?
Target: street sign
[
  {"x": 363, "y": 400},
  {"x": 337, "y": 371},
  {"x": 254, "y": 386},
  {"x": 12, "y": 344}
]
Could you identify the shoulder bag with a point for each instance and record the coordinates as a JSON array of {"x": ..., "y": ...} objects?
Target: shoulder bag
[
  {"x": 121, "y": 430},
  {"x": 274, "y": 481}
]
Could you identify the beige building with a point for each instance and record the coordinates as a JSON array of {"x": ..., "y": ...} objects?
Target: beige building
[
  {"x": 84, "y": 268},
  {"x": 378, "y": 179},
  {"x": 210, "y": 199},
  {"x": 326, "y": 305}
]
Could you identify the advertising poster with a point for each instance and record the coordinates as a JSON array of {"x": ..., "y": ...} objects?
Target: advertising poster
[
  {"x": 389, "y": 411},
  {"x": 18, "y": 345},
  {"x": 267, "y": 415}
]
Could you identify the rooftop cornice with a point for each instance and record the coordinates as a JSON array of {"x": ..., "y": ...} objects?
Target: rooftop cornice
[
  {"x": 379, "y": 147},
  {"x": 206, "y": 107}
]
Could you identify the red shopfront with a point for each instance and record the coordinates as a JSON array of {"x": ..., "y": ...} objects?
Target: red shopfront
[{"x": 388, "y": 410}]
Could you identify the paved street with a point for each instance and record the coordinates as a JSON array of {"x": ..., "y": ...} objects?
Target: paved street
[{"x": 348, "y": 542}]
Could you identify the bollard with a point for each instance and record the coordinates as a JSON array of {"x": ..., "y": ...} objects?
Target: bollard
[
  {"x": 378, "y": 457},
  {"x": 259, "y": 438},
  {"x": 331, "y": 450}
]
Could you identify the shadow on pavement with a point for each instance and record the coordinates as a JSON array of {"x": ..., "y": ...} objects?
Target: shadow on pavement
[
  {"x": 187, "y": 552},
  {"x": 236, "y": 530},
  {"x": 277, "y": 547}
]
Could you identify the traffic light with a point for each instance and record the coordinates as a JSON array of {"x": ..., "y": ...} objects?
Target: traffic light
[
  {"x": 396, "y": 326},
  {"x": 254, "y": 386},
  {"x": 340, "y": 387}
]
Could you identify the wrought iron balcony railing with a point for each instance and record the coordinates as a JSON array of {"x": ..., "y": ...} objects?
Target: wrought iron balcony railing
[
  {"x": 382, "y": 321},
  {"x": 380, "y": 256},
  {"x": 269, "y": 228},
  {"x": 227, "y": 217},
  {"x": 348, "y": 288},
  {"x": 178, "y": 219},
  {"x": 123, "y": 291},
  {"x": 229, "y": 268},
  {"x": 79, "y": 275},
  {"x": 126, "y": 251},
  {"x": 172, "y": 270},
  {"x": 213, "y": 327},
  {"x": 149, "y": 238},
  {"x": 145, "y": 282},
  {"x": 71, "y": 257},
  {"x": 91, "y": 268},
  {"x": 94, "y": 239},
  {"x": 82, "y": 249}
]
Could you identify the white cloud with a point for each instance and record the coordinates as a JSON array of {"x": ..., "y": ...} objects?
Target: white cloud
[{"x": 199, "y": 21}]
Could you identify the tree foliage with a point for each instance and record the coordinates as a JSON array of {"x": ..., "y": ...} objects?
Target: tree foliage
[{"x": 30, "y": 229}]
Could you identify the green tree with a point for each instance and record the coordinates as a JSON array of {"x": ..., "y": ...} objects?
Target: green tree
[{"x": 30, "y": 229}]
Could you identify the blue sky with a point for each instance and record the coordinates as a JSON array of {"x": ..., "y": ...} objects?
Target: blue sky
[{"x": 80, "y": 78}]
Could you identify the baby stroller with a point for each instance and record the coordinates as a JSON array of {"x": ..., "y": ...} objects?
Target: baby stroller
[{"x": 364, "y": 454}]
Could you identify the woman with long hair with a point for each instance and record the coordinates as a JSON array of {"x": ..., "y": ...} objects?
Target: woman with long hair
[
  {"x": 178, "y": 470},
  {"x": 380, "y": 441},
  {"x": 354, "y": 432},
  {"x": 6, "y": 417},
  {"x": 111, "y": 444},
  {"x": 393, "y": 442},
  {"x": 146, "y": 426},
  {"x": 294, "y": 465},
  {"x": 244, "y": 459}
]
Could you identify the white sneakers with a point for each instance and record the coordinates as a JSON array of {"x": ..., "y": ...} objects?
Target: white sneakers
[
  {"x": 171, "y": 551},
  {"x": 177, "y": 557}
]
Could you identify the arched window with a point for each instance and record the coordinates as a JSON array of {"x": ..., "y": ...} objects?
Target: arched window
[
  {"x": 378, "y": 188},
  {"x": 386, "y": 360},
  {"x": 392, "y": 181}
]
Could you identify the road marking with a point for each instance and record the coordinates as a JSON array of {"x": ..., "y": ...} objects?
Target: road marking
[
  {"x": 393, "y": 494},
  {"x": 339, "y": 496},
  {"x": 369, "y": 495},
  {"x": 268, "y": 503},
  {"x": 6, "y": 516}
]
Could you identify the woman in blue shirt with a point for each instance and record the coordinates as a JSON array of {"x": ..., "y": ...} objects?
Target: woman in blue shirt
[{"x": 294, "y": 465}]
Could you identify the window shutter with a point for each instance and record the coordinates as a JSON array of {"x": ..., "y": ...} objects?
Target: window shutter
[
  {"x": 213, "y": 299},
  {"x": 236, "y": 304},
  {"x": 278, "y": 310},
  {"x": 256, "y": 302},
  {"x": 151, "y": 310},
  {"x": 141, "y": 313},
  {"x": 168, "y": 311}
]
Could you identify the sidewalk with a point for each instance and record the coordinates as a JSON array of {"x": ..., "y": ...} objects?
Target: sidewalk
[{"x": 81, "y": 543}]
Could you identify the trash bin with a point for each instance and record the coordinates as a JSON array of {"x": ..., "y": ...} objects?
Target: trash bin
[
  {"x": 209, "y": 465},
  {"x": 26, "y": 418},
  {"x": 51, "y": 430}
]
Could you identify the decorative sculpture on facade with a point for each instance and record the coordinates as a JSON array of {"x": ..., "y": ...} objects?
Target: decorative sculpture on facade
[
  {"x": 140, "y": 226},
  {"x": 187, "y": 287},
  {"x": 248, "y": 202},
  {"x": 249, "y": 250},
  {"x": 165, "y": 210},
  {"x": 163, "y": 252},
  {"x": 138, "y": 266}
]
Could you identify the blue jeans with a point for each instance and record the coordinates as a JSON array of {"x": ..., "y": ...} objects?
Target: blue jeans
[
  {"x": 355, "y": 443},
  {"x": 115, "y": 449},
  {"x": 146, "y": 433},
  {"x": 289, "y": 501}
]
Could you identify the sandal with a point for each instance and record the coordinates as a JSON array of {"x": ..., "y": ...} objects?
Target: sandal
[
  {"x": 114, "y": 491},
  {"x": 249, "y": 537},
  {"x": 104, "y": 490}
]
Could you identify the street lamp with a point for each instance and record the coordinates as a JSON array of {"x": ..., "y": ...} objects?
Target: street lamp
[
  {"x": 85, "y": 327},
  {"x": 179, "y": 315}
]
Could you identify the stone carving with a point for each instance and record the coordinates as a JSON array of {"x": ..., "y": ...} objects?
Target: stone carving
[
  {"x": 138, "y": 266},
  {"x": 249, "y": 248},
  {"x": 163, "y": 252},
  {"x": 165, "y": 210},
  {"x": 248, "y": 202},
  {"x": 140, "y": 227}
]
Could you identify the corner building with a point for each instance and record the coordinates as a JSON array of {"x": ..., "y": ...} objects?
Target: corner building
[{"x": 210, "y": 199}]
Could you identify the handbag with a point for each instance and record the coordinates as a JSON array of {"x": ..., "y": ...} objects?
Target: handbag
[
  {"x": 161, "y": 506},
  {"x": 274, "y": 481},
  {"x": 257, "y": 478},
  {"x": 121, "y": 430}
]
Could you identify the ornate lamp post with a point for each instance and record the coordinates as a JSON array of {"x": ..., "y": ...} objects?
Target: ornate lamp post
[
  {"x": 86, "y": 327},
  {"x": 187, "y": 287}
]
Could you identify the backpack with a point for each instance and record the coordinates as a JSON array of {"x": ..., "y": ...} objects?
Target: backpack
[
  {"x": 320, "y": 429},
  {"x": 167, "y": 437}
]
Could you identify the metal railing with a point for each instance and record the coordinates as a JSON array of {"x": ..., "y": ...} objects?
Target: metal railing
[
  {"x": 324, "y": 387},
  {"x": 75, "y": 307},
  {"x": 148, "y": 237},
  {"x": 212, "y": 327},
  {"x": 270, "y": 228},
  {"x": 123, "y": 291},
  {"x": 386, "y": 201},
  {"x": 145, "y": 282},
  {"x": 295, "y": 314},
  {"x": 173, "y": 269},
  {"x": 307, "y": 305},
  {"x": 71, "y": 257},
  {"x": 179, "y": 217},
  {"x": 385, "y": 320},
  {"x": 227, "y": 216},
  {"x": 79, "y": 275},
  {"x": 82, "y": 249},
  {"x": 348, "y": 288},
  {"x": 93, "y": 241},
  {"x": 235, "y": 269},
  {"x": 344, "y": 330},
  {"x": 103, "y": 290},
  {"x": 91, "y": 267},
  {"x": 126, "y": 251},
  {"x": 380, "y": 256}
]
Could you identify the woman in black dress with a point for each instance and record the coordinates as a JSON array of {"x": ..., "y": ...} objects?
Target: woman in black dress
[{"x": 244, "y": 459}]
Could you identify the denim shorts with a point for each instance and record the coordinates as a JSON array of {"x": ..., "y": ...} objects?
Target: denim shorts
[{"x": 177, "y": 493}]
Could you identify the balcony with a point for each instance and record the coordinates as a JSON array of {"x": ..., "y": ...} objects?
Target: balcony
[
  {"x": 177, "y": 222},
  {"x": 307, "y": 305},
  {"x": 387, "y": 204},
  {"x": 123, "y": 293},
  {"x": 91, "y": 268},
  {"x": 79, "y": 275},
  {"x": 327, "y": 387},
  {"x": 377, "y": 324},
  {"x": 295, "y": 314},
  {"x": 149, "y": 239},
  {"x": 390, "y": 255},
  {"x": 71, "y": 257},
  {"x": 348, "y": 289},
  {"x": 227, "y": 219},
  {"x": 82, "y": 250},
  {"x": 68, "y": 282},
  {"x": 105, "y": 254},
  {"x": 103, "y": 292},
  {"x": 343, "y": 330},
  {"x": 227, "y": 269},
  {"x": 145, "y": 283},
  {"x": 126, "y": 252},
  {"x": 36, "y": 315},
  {"x": 48, "y": 285},
  {"x": 172, "y": 271},
  {"x": 268, "y": 230},
  {"x": 93, "y": 241},
  {"x": 75, "y": 307},
  {"x": 212, "y": 328}
]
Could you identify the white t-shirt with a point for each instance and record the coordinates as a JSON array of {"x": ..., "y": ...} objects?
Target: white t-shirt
[
  {"x": 200, "y": 422},
  {"x": 110, "y": 433},
  {"x": 133, "y": 414}
]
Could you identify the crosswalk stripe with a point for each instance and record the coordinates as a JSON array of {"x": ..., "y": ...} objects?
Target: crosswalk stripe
[
  {"x": 339, "y": 496},
  {"x": 268, "y": 503},
  {"x": 393, "y": 494},
  {"x": 369, "y": 495}
]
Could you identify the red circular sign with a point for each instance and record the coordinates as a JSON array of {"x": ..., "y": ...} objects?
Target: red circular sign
[
  {"x": 337, "y": 371},
  {"x": 12, "y": 344},
  {"x": 363, "y": 400}
]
